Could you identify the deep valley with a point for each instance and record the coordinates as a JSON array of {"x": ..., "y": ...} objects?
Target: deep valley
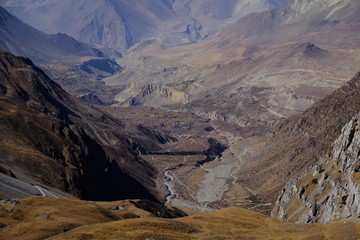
[{"x": 177, "y": 119}]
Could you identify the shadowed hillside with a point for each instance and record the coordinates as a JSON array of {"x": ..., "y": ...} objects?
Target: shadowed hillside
[{"x": 50, "y": 138}]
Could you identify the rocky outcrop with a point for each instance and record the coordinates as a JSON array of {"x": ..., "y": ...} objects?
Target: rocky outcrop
[
  {"x": 156, "y": 94},
  {"x": 104, "y": 66},
  {"x": 91, "y": 99},
  {"x": 151, "y": 95},
  {"x": 330, "y": 189},
  {"x": 310, "y": 50}
]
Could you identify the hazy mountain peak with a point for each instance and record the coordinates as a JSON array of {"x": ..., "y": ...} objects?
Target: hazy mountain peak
[
  {"x": 120, "y": 24},
  {"x": 296, "y": 10},
  {"x": 24, "y": 40}
]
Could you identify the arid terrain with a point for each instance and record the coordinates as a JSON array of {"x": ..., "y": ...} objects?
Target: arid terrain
[
  {"x": 217, "y": 116},
  {"x": 241, "y": 89}
]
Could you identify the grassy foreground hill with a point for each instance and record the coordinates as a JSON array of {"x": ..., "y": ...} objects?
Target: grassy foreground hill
[{"x": 43, "y": 218}]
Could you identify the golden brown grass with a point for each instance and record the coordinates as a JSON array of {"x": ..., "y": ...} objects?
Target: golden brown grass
[
  {"x": 232, "y": 223},
  {"x": 356, "y": 176},
  {"x": 39, "y": 218}
]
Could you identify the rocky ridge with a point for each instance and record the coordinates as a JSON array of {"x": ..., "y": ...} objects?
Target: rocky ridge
[
  {"x": 22, "y": 39},
  {"x": 159, "y": 95},
  {"x": 294, "y": 18},
  {"x": 330, "y": 189},
  {"x": 120, "y": 24}
]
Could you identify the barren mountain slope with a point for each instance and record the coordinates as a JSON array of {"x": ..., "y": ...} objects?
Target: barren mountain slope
[
  {"x": 50, "y": 138},
  {"x": 22, "y": 39},
  {"x": 294, "y": 19},
  {"x": 110, "y": 23},
  {"x": 249, "y": 85},
  {"x": 291, "y": 67},
  {"x": 75, "y": 65},
  {"x": 246, "y": 79},
  {"x": 298, "y": 142},
  {"x": 121, "y": 24},
  {"x": 214, "y": 15}
]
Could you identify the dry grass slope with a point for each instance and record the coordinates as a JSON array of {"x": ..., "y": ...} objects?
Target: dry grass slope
[{"x": 39, "y": 218}]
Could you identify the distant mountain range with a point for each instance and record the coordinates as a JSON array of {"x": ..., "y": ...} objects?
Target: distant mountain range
[
  {"x": 294, "y": 19},
  {"x": 120, "y": 24},
  {"x": 22, "y": 39}
]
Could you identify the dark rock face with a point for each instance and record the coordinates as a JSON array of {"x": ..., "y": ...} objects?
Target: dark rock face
[
  {"x": 3, "y": 90},
  {"x": 91, "y": 99},
  {"x": 106, "y": 66},
  {"x": 54, "y": 139},
  {"x": 158, "y": 209},
  {"x": 209, "y": 129},
  {"x": 215, "y": 150},
  {"x": 7, "y": 172},
  {"x": 313, "y": 51},
  {"x": 310, "y": 47}
]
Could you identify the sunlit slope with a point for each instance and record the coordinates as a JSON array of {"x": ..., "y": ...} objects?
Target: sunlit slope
[{"x": 39, "y": 218}]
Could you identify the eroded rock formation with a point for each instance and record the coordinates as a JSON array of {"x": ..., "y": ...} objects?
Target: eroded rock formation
[{"x": 330, "y": 189}]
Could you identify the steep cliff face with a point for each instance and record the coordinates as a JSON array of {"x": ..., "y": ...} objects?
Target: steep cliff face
[{"x": 330, "y": 189}]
